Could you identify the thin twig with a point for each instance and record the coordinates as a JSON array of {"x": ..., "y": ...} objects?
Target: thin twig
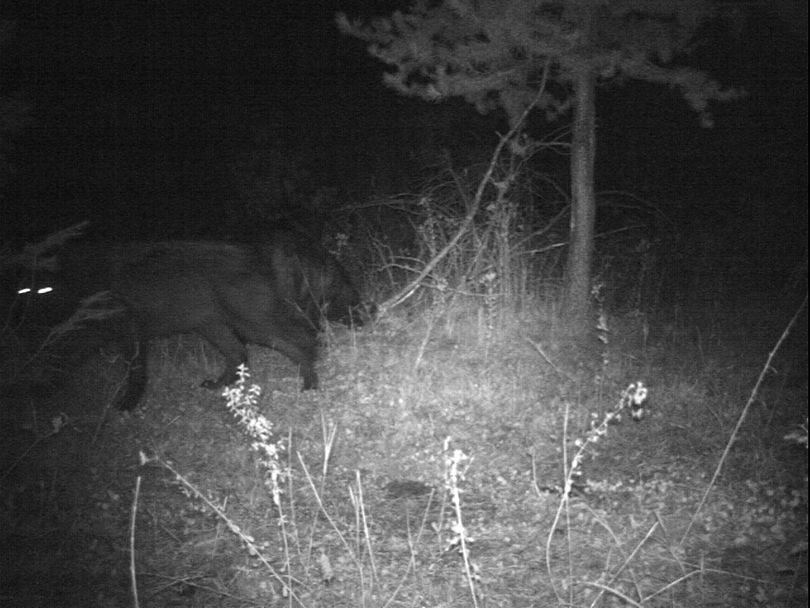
[
  {"x": 406, "y": 291},
  {"x": 134, "y": 513},
  {"x": 766, "y": 368}
]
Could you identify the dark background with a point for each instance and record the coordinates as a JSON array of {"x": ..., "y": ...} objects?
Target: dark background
[{"x": 169, "y": 119}]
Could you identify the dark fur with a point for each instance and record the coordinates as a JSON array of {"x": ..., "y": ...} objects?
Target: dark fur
[{"x": 272, "y": 294}]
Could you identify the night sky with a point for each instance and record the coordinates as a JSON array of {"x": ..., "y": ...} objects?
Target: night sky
[{"x": 152, "y": 119}]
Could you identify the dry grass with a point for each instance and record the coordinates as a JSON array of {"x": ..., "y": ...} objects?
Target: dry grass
[{"x": 368, "y": 512}]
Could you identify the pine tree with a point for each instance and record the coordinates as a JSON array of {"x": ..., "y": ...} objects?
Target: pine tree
[{"x": 494, "y": 54}]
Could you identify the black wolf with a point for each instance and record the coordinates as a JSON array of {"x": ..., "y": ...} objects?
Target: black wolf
[{"x": 273, "y": 293}]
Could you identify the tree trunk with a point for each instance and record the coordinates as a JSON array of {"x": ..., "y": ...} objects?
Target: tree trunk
[{"x": 583, "y": 200}]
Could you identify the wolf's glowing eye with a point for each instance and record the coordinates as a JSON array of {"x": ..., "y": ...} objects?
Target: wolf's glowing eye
[{"x": 39, "y": 291}]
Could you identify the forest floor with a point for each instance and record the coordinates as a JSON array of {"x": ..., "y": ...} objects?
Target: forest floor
[{"x": 428, "y": 471}]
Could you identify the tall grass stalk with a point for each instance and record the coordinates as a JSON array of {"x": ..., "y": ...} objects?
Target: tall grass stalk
[
  {"x": 732, "y": 438},
  {"x": 633, "y": 398},
  {"x": 192, "y": 490},
  {"x": 453, "y": 474}
]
